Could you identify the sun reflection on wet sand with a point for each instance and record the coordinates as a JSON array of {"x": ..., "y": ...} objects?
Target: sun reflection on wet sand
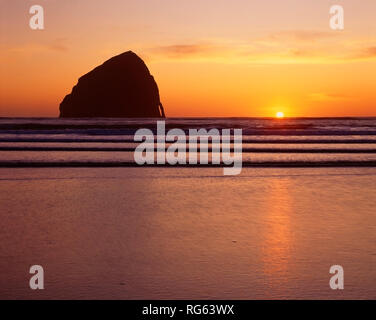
[{"x": 278, "y": 237}]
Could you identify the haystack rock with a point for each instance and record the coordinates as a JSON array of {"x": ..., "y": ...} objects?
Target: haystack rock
[{"x": 120, "y": 87}]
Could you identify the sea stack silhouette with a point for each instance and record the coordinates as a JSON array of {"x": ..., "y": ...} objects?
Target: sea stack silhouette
[{"x": 120, "y": 87}]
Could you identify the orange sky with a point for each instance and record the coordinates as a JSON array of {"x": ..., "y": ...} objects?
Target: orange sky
[{"x": 209, "y": 57}]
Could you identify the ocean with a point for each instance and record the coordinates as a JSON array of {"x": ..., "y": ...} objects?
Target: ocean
[
  {"x": 73, "y": 201},
  {"x": 266, "y": 142}
]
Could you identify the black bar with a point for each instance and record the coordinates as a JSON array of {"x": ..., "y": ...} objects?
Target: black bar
[{"x": 189, "y": 309}]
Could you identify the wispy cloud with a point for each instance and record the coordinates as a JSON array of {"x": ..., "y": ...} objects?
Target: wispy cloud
[
  {"x": 322, "y": 96},
  {"x": 58, "y": 45},
  {"x": 302, "y": 35},
  {"x": 361, "y": 52},
  {"x": 294, "y": 46},
  {"x": 370, "y": 52},
  {"x": 189, "y": 50}
]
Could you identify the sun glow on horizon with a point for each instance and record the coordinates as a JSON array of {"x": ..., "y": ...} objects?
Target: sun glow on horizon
[{"x": 280, "y": 115}]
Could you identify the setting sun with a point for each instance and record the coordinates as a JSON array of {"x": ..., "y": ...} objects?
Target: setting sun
[{"x": 280, "y": 115}]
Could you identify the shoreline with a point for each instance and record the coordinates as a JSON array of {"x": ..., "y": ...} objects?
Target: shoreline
[{"x": 272, "y": 164}]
